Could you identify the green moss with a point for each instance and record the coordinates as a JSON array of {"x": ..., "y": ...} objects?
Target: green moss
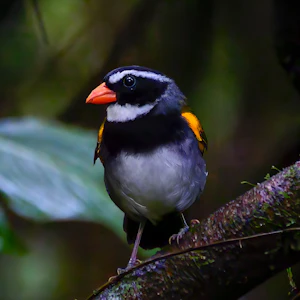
[
  {"x": 284, "y": 194},
  {"x": 249, "y": 183}
]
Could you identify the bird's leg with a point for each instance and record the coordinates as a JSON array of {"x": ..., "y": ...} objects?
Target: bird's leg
[
  {"x": 184, "y": 220},
  {"x": 181, "y": 232},
  {"x": 133, "y": 260}
]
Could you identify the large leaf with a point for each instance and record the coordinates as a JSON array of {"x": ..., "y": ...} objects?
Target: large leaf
[{"x": 47, "y": 173}]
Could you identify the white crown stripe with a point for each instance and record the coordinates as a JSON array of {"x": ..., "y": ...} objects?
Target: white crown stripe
[
  {"x": 127, "y": 112},
  {"x": 144, "y": 74}
]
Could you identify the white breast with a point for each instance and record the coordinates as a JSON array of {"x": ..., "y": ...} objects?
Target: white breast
[{"x": 154, "y": 184}]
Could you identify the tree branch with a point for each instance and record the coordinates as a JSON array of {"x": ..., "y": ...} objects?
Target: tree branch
[{"x": 238, "y": 247}]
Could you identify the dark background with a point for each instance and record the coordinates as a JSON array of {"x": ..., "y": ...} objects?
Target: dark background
[{"x": 227, "y": 58}]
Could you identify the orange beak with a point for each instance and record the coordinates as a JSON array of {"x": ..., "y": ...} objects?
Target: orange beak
[{"x": 101, "y": 95}]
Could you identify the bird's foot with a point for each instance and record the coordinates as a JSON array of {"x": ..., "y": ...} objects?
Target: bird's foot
[
  {"x": 178, "y": 236},
  {"x": 130, "y": 265},
  {"x": 123, "y": 270},
  {"x": 194, "y": 222},
  {"x": 182, "y": 232}
]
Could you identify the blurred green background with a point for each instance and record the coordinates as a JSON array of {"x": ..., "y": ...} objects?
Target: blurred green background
[{"x": 60, "y": 235}]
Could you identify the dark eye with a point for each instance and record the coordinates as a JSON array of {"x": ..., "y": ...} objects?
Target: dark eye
[{"x": 129, "y": 81}]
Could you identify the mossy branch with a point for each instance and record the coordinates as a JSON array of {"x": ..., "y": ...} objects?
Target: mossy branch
[{"x": 236, "y": 248}]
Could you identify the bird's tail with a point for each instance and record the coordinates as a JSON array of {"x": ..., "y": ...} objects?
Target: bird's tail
[{"x": 154, "y": 236}]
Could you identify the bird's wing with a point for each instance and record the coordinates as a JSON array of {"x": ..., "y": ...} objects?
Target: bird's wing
[
  {"x": 98, "y": 146},
  {"x": 197, "y": 128}
]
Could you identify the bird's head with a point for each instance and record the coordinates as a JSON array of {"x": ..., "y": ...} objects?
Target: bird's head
[{"x": 132, "y": 92}]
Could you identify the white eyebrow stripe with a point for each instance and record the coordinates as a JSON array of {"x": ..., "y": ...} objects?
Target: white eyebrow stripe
[{"x": 144, "y": 74}]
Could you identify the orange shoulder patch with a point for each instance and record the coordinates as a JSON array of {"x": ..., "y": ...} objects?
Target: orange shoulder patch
[
  {"x": 97, "y": 149},
  {"x": 100, "y": 132},
  {"x": 197, "y": 128}
]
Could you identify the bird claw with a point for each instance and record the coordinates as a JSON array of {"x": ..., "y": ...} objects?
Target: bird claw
[
  {"x": 112, "y": 278},
  {"x": 123, "y": 270},
  {"x": 178, "y": 236},
  {"x": 129, "y": 266},
  {"x": 182, "y": 232},
  {"x": 194, "y": 222}
]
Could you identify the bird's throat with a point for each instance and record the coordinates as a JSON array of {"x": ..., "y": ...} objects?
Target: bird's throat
[{"x": 127, "y": 112}]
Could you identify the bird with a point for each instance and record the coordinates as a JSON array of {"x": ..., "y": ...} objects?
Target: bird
[{"x": 151, "y": 146}]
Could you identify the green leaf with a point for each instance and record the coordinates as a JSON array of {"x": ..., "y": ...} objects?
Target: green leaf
[
  {"x": 249, "y": 183},
  {"x": 9, "y": 242},
  {"x": 47, "y": 173}
]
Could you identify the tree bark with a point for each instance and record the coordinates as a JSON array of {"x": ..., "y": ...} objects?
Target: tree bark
[{"x": 236, "y": 248}]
